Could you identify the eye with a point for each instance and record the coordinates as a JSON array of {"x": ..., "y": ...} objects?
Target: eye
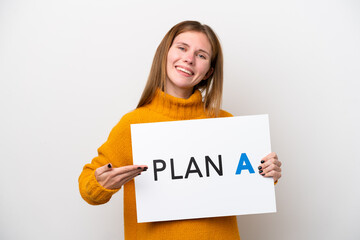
[
  {"x": 201, "y": 56},
  {"x": 181, "y": 48}
]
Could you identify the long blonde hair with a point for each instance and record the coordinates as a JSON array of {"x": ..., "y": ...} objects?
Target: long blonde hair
[{"x": 211, "y": 87}]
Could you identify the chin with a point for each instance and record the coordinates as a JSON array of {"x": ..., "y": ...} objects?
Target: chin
[{"x": 183, "y": 85}]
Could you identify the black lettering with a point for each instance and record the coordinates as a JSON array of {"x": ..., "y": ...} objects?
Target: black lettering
[
  {"x": 173, "y": 170},
  {"x": 197, "y": 170},
  {"x": 218, "y": 170},
  {"x": 158, "y": 169}
]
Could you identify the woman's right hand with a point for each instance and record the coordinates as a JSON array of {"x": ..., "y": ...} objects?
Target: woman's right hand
[{"x": 113, "y": 178}]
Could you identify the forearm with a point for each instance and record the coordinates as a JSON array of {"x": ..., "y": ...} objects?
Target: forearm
[{"x": 91, "y": 191}]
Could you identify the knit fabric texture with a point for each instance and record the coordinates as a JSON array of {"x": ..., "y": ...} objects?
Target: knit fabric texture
[{"x": 117, "y": 151}]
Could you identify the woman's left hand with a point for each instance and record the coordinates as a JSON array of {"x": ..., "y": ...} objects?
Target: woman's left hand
[{"x": 270, "y": 167}]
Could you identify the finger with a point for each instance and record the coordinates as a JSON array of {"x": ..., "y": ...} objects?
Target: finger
[
  {"x": 130, "y": 178},
  {"x": 134, "y": 175},
  {"x": 124, "y": 180},
  {"x": 276, "y": 175},
  {"x": 120, "y": 177},
  {"x": 129, "y": 169},
  {"x": 273, "y": 160},
  {"x": 269, "y": 162},
  {"x": 113, "y": 180},
  {"x": 272, "y": 173},
  {"x": 270, "y": 168},
  {"x": 103, "y": 169}
]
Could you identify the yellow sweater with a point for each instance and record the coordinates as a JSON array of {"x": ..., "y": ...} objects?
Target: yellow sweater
[{"x": 117, "y": 151}]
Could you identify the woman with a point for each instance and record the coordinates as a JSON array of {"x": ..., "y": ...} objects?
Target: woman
[{"x": 185, "y": 82}]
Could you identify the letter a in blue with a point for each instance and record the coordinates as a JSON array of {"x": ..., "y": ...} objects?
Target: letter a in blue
[{"x": 244, "y": 164}]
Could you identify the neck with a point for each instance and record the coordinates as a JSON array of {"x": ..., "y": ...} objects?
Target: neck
[
  {"x": 178, "y": 108},
  {"x": 179, "y": 92}
]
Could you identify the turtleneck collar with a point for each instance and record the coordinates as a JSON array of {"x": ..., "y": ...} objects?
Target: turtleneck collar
[{"x": 178, "y": 108}]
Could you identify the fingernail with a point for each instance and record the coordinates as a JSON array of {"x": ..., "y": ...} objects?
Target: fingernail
[
  {"x": 109, "y": 165},
  {"x": 145, "y": 168},
  {"x": 262, "y": 161},
  {"x": 259, "y": 167},
  {"x": 139, "y": 174},
  {"x": 263, "y": 174},
  {"x": 139, "y": 168},
  {"x": 260, "y": 171}
]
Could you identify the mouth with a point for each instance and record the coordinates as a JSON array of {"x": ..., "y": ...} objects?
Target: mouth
[{"x": 184, "y": 70}]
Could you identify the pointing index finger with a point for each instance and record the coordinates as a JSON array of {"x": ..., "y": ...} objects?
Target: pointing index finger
[{"x": 129, "y": 168}]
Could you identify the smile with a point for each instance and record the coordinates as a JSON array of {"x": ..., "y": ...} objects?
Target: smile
[{"x": 185, "y": 70}]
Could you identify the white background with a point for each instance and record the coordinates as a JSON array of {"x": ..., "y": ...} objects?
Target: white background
[{"x": 70, "y": 69}]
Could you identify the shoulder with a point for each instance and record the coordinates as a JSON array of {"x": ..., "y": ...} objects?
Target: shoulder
[
  {"x": 224, "y": 113},
  {"x": 124, "y": 123},
  {"x": 129, "y": 117},
  {"x": 134, "y": 116}
]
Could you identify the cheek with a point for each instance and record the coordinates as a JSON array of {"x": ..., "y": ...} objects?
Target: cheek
[
  {"x": 205, "y": 68},
  {"x": 172, "y": 55}
]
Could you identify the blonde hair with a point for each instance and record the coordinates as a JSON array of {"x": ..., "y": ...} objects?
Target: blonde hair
[{"x": 211, "y": 87}]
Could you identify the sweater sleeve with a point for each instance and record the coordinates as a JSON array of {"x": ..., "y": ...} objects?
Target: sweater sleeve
[{"x": 117, "y": 151}]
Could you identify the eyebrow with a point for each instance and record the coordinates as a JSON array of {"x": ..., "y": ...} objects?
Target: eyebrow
[{"x": 200, "y": 50}]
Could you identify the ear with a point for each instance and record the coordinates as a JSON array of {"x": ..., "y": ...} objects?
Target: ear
[{"x": 208, "y": 74}]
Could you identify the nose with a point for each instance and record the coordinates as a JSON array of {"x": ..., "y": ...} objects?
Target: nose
[{"x": 189, "y": 57}]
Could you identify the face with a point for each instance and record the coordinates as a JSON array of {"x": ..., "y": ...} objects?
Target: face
[{"x": 188, "y": 63}]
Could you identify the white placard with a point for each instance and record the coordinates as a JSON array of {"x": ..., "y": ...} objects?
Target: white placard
[{"x": 202, "y": 168}]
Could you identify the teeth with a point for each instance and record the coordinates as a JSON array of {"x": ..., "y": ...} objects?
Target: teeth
[{"x": 184, "y": 70}]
